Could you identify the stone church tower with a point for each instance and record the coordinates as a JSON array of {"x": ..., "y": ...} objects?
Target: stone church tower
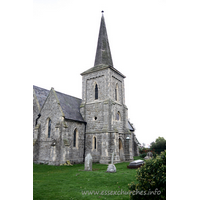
[
  {"x": 103, "y": 107},
  {"x": 67, "y": 128}
]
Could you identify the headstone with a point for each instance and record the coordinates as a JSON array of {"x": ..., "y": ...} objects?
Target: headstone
[
  {"x": 88, "y": 162},
  {"x": 135, "y": 164},
  {"x": 111, "y": 167},
  {"x": 148, "y": 156}
]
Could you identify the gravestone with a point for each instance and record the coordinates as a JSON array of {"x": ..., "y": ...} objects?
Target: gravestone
[
  {"x": 135, "y": 164},
  {"x": 149, "y": 155},
  {"x": 88, "y": 162},
  {"x": 111, "y": 167}
]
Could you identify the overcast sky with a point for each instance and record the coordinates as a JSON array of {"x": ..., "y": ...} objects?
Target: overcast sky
[{"x": 153, "y": 43}]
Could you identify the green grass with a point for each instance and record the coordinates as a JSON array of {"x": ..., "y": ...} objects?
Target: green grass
[{"x": 68, "y": 182}]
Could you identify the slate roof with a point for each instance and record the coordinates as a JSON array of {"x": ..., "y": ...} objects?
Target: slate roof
[
  {"x": 130, "y": 127},
  {"x": 103, "y": 53},
  {"x": 103, "y": 58},
  {"x": 70, "y": 105},
  {"x": 41, "y": 94}
]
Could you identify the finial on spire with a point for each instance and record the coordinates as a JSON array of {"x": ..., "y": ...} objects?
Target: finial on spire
[{"x": 102, "y": 11}]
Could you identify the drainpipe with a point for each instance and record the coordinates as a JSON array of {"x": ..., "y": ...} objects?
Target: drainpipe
[{"x": 84, "y": 143}]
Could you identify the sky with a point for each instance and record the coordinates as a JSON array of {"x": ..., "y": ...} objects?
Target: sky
[{"x": 146, "y": 40}]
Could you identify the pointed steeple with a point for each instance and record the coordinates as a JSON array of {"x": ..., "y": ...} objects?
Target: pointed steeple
[
  {"x": 103, "y": 54},
  {"x": 103, "y": 58}
]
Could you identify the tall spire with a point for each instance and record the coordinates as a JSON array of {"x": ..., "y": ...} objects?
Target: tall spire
[
  {"x": 103, "y": 59},
  {"x": 103, "y": 54}
]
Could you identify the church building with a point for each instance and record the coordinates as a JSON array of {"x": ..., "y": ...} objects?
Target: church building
[{"x": 68, "y": 128}]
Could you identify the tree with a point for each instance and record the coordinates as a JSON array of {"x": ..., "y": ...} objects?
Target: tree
[{"x": 159, "y": 145}]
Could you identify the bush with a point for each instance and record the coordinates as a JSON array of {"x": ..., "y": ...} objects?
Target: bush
[
  {"x": 151, "y": 179},
  {"x": 143, "y": 155},
  {"x": 143, "y": 150},
  {"x": 154, "y": 155},
  {"x": 159, "y": 145}
]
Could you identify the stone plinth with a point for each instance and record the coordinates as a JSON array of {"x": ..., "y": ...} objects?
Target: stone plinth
[{"x": 111, "y": 168}]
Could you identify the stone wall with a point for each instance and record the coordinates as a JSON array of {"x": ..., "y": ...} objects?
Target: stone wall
[
  {"x": 102, "y": 124},
  {"x": 100, "y": 115},
  {"x": 59, "y": 147},
  {"x": 74, "y": 154}
]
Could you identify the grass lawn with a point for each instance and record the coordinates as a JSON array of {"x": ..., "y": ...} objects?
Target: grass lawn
[{"x": 70, "y": 182}]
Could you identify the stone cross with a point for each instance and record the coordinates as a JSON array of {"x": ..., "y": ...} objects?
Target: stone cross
[
  {"x": 111, "y": 167},
  {"x": 112, "y": 157}
]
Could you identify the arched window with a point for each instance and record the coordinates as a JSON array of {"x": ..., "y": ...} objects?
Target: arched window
[
  {"x": 116, "y": 92},
  {"x": 96, "y": 91},
  {"x": 120, "y": 144},
  {"x": 49, "y": 128},
  {"x": 75, "y": 135},
  {"x": 95, "y": 142},
  {"x": 118, "y": 116}
]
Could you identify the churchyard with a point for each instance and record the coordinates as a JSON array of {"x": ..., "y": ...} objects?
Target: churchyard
[{"x": 74, "y": 183}]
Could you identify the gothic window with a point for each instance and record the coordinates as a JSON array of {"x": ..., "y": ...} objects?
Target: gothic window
[
  {"x": 95, "y": 143},
  {"x": 118, "y": 117},
  {"x": 116, "y": 92},
  {"x": 120, "y": 144},
  {"x": 49, "y": 128},
  {"x": 96, "y": 91},
  {"x": 75, "y": 135}
]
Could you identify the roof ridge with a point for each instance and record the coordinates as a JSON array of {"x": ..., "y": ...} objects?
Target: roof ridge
[{"x": 58, "y": 92}]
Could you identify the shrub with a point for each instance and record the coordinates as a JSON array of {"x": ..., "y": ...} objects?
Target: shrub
[
  {"x": 159, "y": 145},
  {"x": 143, "y": 150},
  {"x": 143, "y": 155},
  {"x": 151, "y": 179},
  {"x": 154, "y": 155}
]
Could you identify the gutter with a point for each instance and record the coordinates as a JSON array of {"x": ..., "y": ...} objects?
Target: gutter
[{"x": 84, "y": 143}]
